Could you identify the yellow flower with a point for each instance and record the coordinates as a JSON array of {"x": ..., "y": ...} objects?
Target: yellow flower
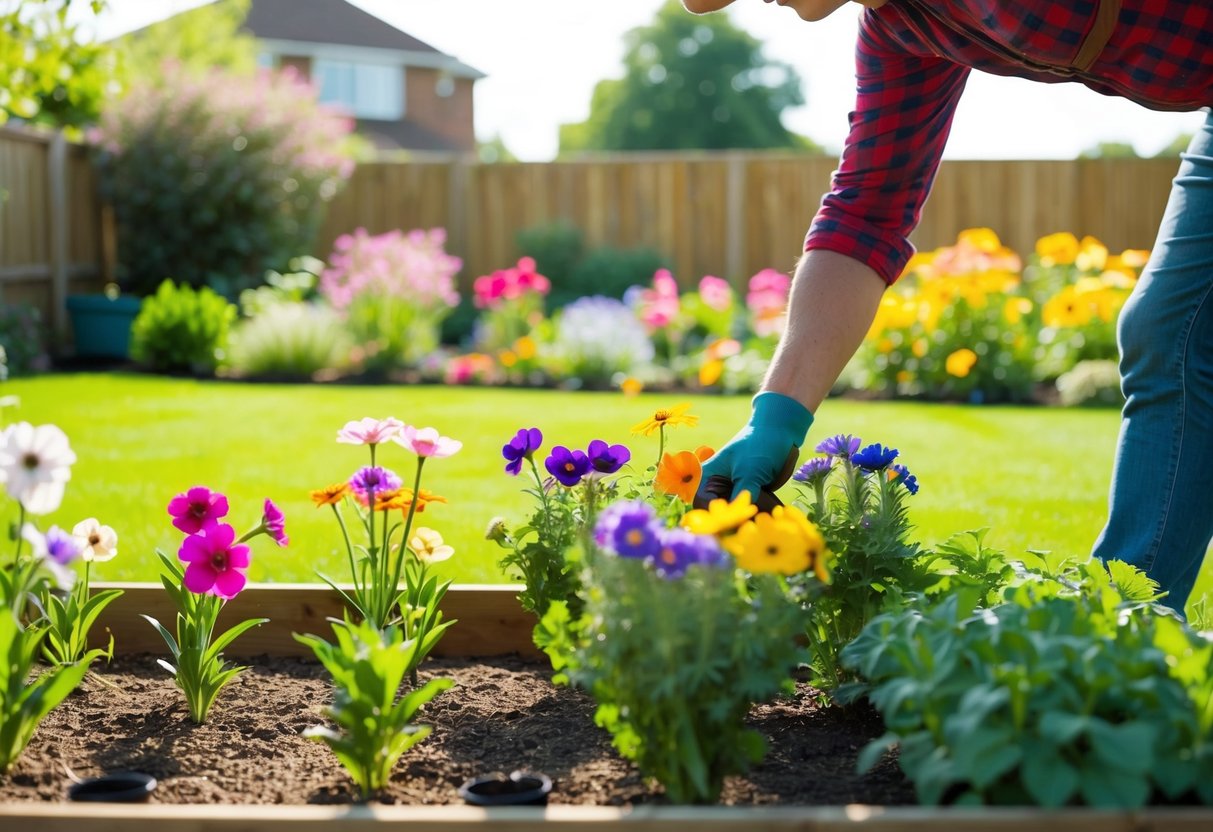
[
  {"x": 1060, "y": 249},
  {"x": 720, "y": 516},
  {"x": 428, "y": 546},
  {"x": 1118, "y": 278},
  {"x": 1134, "y": 258},
  {"x": 961, "y": 362},
  {"x": 1014, "y": 309},
  {"x": 330, "y": 494},
  {"x": 1092, "y": 255},
  {"x": 904, "y": 376},
  {"x": 525, "y": 348},
  {"x": 783, "y": 541},
  {"x": 679, "y": 474},
  {"x": 1066, "y": 309},
  {"x": 508, "y": 358},
  {"x": 710, "y": 372},
  {"x": 920, "y": 347},
  {"x": 631, "y": 386},
  {"x": 919, "y": 263},
  {"x": 884, "y": 346},
  {"x": 662, "y": 417},
  {"x": 982, "y": 239},
  {"x": 402, "y": 498}
]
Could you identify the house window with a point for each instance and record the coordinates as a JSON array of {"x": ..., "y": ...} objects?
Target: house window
[
  {"x": 374, "y": 91},
  {"x": 266, "y": 60}
]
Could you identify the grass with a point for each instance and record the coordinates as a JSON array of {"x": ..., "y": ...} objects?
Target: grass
[{"x": 1037, "y": 477}]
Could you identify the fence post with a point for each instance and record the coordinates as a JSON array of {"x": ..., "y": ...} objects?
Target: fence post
[
  {"x": 58, "y": 218},
  {"x": 735, "y": 225}
]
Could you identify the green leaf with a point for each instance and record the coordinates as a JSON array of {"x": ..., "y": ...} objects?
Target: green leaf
[
  {"x": 874, "y": 752},
  {"x": 1049, "y": 779},
  {"x": 165, "y": 634},
  {"x": 1060, "y": 728},
  {"x": 1128, "y": 747},
  {"x": 1110, "y": 788},
  {"x": 231, "y": 635}
]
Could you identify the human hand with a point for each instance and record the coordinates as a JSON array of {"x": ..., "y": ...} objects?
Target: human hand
[{"x": 763, "y": 454}]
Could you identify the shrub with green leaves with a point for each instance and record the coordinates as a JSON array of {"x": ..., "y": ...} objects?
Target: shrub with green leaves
[
  {"x": 182, "y": 329},
  {"x": 216, "y": 179},
  {"x": 374, "y": 721},
  {"x": 1077, "y": 689},
  {"x": 289, "y": 339},
  {"x": 22, "y": 340}
]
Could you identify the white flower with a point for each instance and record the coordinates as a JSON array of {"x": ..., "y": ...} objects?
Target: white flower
[
  {"x": 99, "y": 543},
  {"x": 427, "y": 545},
  {"x": 35, "y": 464}
]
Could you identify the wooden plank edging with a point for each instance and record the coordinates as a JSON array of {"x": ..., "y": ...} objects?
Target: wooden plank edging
[{"x": 491, "y": 621}]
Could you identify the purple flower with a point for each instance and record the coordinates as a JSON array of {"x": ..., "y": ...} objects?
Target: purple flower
[
  {"x": 679, "y": 549},
  {"x": 629, "y": 529},
  {"x": 522, "y": 446},
  {"x": 197, "y": 508},
  {"x": 874, "y": 457},
  {"x": 373, "y": 480},
  {"x": 607, "y": 459},
  {"x": 814, "y": 470},
  {"x": 62, "y": 547},
  {"x": 901, "y": 474},
  {"x": 842, "y": 445},
  {"x": 274, "y": 522},
  {"x": 568, "y": 467}
]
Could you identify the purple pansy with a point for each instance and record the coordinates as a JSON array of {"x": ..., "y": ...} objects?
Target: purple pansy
[
  {"x": 197, "y": 508},
  {"x": 607, "y": 459},
  {"x": 842, "y": 445},
  {"x": 568, "y": 467},
  {"x": 62, "y": 547},
  {"x": 814, "y": 470},
  {"x": 901, "y": 474},
  {"x": 874, "y": 457},
  {"x": 522, "y": 446},
  {"x": 629, "y": 529},
  {"x": 274, "y": 522},
  {"x": 679, "y": 549},
  {"x": 374, "y": 480}
]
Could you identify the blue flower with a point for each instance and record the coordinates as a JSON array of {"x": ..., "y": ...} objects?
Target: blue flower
[
  {"x": 679, "y": 549},
  {"x": 629, "y": 529},
  {"x": 607, "y": 459},
  {"x": 874, "y": 457},
  {"x": 842, "y": 445},
  {"x": 814, "y": 470},
  {"x": 901, "y": 474},
  {"x": 522, "y": 446}
]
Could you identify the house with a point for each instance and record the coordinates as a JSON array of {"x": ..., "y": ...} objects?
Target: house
[{"x": 403, "y": 92}]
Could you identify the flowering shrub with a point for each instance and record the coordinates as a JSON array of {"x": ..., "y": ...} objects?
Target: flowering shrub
[
  {"x": 215, "y": 179},
  {"x": 512, "y": 304},
  {"x": 368, "y": 665},
  {"x": 1075, "y": 690},
  {"x": 208, "y": 572},
  {"x": 377, "y": 569},
  {"x": 394, "y": 289},
  {"x": 597, "y": 339}
]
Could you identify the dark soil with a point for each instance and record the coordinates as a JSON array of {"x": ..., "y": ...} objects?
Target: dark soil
[{"x": 503, "y": 714}]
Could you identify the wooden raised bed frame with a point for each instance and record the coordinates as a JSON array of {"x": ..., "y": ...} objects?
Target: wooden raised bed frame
[{"x": 491, "y": 623}]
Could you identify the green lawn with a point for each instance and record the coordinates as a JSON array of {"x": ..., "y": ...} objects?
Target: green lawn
[{"x": 1037, "y": 477}]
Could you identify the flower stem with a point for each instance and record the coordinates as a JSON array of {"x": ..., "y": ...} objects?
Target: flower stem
[
  {"x": 20, "y": 526},
  {"x": 408, "y": 525}
]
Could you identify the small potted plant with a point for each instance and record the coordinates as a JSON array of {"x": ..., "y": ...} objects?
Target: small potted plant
[{"x": 101, "y": 323}]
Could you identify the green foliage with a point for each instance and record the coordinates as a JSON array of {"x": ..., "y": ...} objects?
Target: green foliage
[
  {"x": 607, "y": 271},
  {"x": 22, "y": 339},
  {"x": 290, "y": 340},
  {"x": 1077, "y": 689},
  {"x": 52, "y": 76},
  {"x": 689, "y": 83},
  {"x": 181, "y": 329},
  {"x": 675, "y": 664},
  {"x": 25, "y": 701},
  {"x": 557, "y": 248},
  {"x": 375, "y": 728},
  {"x": 216, "y": 179},
  {"x": 70, "y": 620},
  {"x": 200, "y": 670},
  {"x": 298, "y": 284},
  {"x": 199, "y": 40},
  {"x": 1110, "y": 150}
]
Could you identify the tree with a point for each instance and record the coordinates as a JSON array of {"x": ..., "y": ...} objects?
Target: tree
[
  {"x": 1109, "y": 150},
  {"x": 690, "y": 83},
  {"x": 208, "y": 37},
  {"x": 50, "y": 75}
]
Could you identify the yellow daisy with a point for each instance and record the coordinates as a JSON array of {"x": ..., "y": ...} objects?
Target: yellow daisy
[
  {"x": 663, "y": 417},
  {"x": 720, "y": 516}
]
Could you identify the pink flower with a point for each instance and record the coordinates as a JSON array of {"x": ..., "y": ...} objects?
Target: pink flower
[
  {"x": 197, "y": 508},
  {"x": 716, "y": 293},
  {"x": 216, "y": 564},
  {"x": 660, "y": 305},
  {"x": 274, "y": 522},
  {"x": 369, "y": 431},
  {"x": 426, "y": 442}
]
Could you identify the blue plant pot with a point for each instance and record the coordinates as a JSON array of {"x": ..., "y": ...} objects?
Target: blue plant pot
[{"x": 102, "y": 325}]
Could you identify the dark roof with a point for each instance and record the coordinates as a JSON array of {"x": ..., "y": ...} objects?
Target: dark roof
[
  {"x": 407, "y": 135},
  {"x": 327, "y": 21}
]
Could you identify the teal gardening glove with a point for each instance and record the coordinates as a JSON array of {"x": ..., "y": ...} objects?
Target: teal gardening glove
[{"x": 757, "y": 457}]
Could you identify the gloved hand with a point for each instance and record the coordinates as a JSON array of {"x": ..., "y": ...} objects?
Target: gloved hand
[{"x": 762, "y": 456}]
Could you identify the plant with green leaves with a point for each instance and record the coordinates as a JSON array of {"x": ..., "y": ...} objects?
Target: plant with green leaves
[
  {"x": 374, "y": 721},
  {"x": 71, "y": 616},
  {"x": 180, "y": 329},
  {"x": 675, "y": 645},
  {"x": 213, "y": 574},
  {"x": 1078, "y": 689},
  {"x": 25, "y": 701}
]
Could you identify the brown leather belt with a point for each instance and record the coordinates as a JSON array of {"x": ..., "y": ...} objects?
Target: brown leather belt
[{"x": 1106, "y": 15}]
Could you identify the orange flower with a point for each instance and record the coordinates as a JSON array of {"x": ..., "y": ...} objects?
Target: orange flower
[
  {"x": 711, "y": 372},
  {"x": 704, "y": 453},
  {"x": 679, "y": 474},
  {"x": 401, "y": 498},
  {"x": 330, "y": 495},
  {"x": 631, "y": 386}
]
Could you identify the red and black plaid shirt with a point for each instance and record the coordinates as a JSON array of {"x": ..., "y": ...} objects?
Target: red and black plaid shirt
[{"x": 912, "y": 61}]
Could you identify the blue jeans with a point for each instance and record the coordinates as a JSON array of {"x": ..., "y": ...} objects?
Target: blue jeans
[{"x": 1160, "y": 514}]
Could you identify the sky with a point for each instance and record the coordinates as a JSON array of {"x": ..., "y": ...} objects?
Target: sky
[{"x": 543, "y": 58}]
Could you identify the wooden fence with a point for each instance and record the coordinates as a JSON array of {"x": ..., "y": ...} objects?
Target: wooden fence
[
  {"x": 51, "y": 240},
  {"x": 728, "y": 214}
]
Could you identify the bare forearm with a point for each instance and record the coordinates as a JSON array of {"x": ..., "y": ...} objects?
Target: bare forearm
[{"x": 834, "y": 299}]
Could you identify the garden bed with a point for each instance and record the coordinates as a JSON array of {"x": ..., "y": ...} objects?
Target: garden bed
[{"x": 504, "y": 713}]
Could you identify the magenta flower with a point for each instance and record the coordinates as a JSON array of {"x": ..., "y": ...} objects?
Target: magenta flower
[
  {"x": 426, "y": 442},
  {"x": 197, "y": 508},
  {"x": 368, "y": 431},
  {"x": 274, "y": 523},
  {"x": 374, "y": 480},
  {"x": 215, "y": 562}
]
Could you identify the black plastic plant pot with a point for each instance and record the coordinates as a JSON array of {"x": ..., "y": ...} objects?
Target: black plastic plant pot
[
  {"x": 521, "y": 788},
  {"x": 123, "y": 787}
]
